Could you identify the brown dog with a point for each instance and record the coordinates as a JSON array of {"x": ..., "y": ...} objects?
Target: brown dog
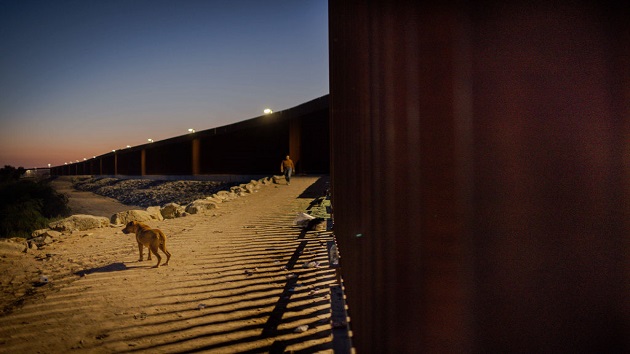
[{"x": 152, "y": 238}]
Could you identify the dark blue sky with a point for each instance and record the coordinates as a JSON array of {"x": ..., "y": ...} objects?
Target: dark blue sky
[{"x": 81, "y": 78}]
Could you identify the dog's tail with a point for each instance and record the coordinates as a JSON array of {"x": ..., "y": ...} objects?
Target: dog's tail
[{"x": 162, "y": 238}]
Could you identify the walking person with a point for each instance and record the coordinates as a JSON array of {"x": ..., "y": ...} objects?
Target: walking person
[{"x": 287, "y": 168}]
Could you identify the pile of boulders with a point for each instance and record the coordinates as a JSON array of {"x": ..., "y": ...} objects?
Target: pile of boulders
[
  {"x": 78, "y": 223},
  {"x": 55, "y": 231},
  {"x": 145, "y": 192},
  {"x": 198, "y": 206}
]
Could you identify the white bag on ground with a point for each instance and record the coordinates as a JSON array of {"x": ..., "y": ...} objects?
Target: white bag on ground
[{"x": 302, "y": 219}]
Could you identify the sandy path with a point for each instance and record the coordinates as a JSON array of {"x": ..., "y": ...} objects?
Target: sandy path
[
  {"x": 81, "y": 202},
  {"x": 236, "y": 283}
]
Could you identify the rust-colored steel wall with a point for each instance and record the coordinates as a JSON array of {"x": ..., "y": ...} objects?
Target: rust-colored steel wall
[
  {"x": 108, "y": 164},
  {"x": 480, "y": 173},
  {"x": 253, "y": 150},
  {"x": 164, "y": 159},
  {"x": 129, "y": 162},
  {"x": 314, "y": 143},
  {"x": 254, "y": 146}
]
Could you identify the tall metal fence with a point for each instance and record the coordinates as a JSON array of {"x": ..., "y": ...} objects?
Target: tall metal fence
[
  {"x": 251, "y": 147},
  {"x": 480, "y": 174}
]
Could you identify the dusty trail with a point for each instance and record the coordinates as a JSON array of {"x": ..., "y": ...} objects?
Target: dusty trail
[
  {"x": 236, "y": 283},
  {"x": 88, "y": 203}
]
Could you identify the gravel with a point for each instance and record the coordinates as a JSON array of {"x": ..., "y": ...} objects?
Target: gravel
[{"x": 146, "y": 193}]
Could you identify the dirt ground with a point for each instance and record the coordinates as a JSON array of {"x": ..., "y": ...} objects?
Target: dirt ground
[
  {"x": 88, "y": 203},
  {"x": 238, "y": 281}
]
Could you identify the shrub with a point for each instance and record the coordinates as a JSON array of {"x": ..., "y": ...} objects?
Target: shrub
[
  {"x": 10, "y": 173},
  {"x": 26, "y": 206}
]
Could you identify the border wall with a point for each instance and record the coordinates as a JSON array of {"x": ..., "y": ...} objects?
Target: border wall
[
  {"x": 251, "y": 147},
  {"x": 480, "y": 174}
]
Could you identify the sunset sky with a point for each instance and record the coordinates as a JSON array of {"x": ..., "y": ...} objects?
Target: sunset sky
[{"x": 81, "y": 78}]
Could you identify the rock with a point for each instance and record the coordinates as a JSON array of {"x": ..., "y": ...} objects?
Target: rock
[
  {"x": 80, "y": 222},
  {"x": 222, "y": 194},
  {"x": 311, "y": 264},
  {"x": 277, "y": 179},
  {"x": 301, "y": 329},
  {"x": 43, "y": 233},
  {"x": 124, "y": 217},
  {"x": 172, "y": 211},
  {"x": 250, "y": 187},
  {"x": 37, "y": 241},
  {"x": 39, "y": 232},
  {"x": 215, "y": 200},
  {"x": 226, "y": 196},
  {"x": 200, "y": 206},
  {"x": 13, "y": 246},
  {"x": 54, "y": 234},
  {"x": 155, "y": 213}
]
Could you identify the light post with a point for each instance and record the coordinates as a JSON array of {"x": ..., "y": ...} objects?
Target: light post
[{"x": 115, "y": 162}]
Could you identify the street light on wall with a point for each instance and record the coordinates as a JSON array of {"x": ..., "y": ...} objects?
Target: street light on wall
[
  {"x": 150, "y": 140},
  {"x": 267, "y": 111},
  {"x": 191, "y": 130}
]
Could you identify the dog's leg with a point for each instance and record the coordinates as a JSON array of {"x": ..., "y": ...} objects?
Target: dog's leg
[
  {"x": 140, "y": 251},
  {"x": 167, "y": 253},
  {"x": 154, "y": 250},
  {"x": 149, "y": 253}
]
